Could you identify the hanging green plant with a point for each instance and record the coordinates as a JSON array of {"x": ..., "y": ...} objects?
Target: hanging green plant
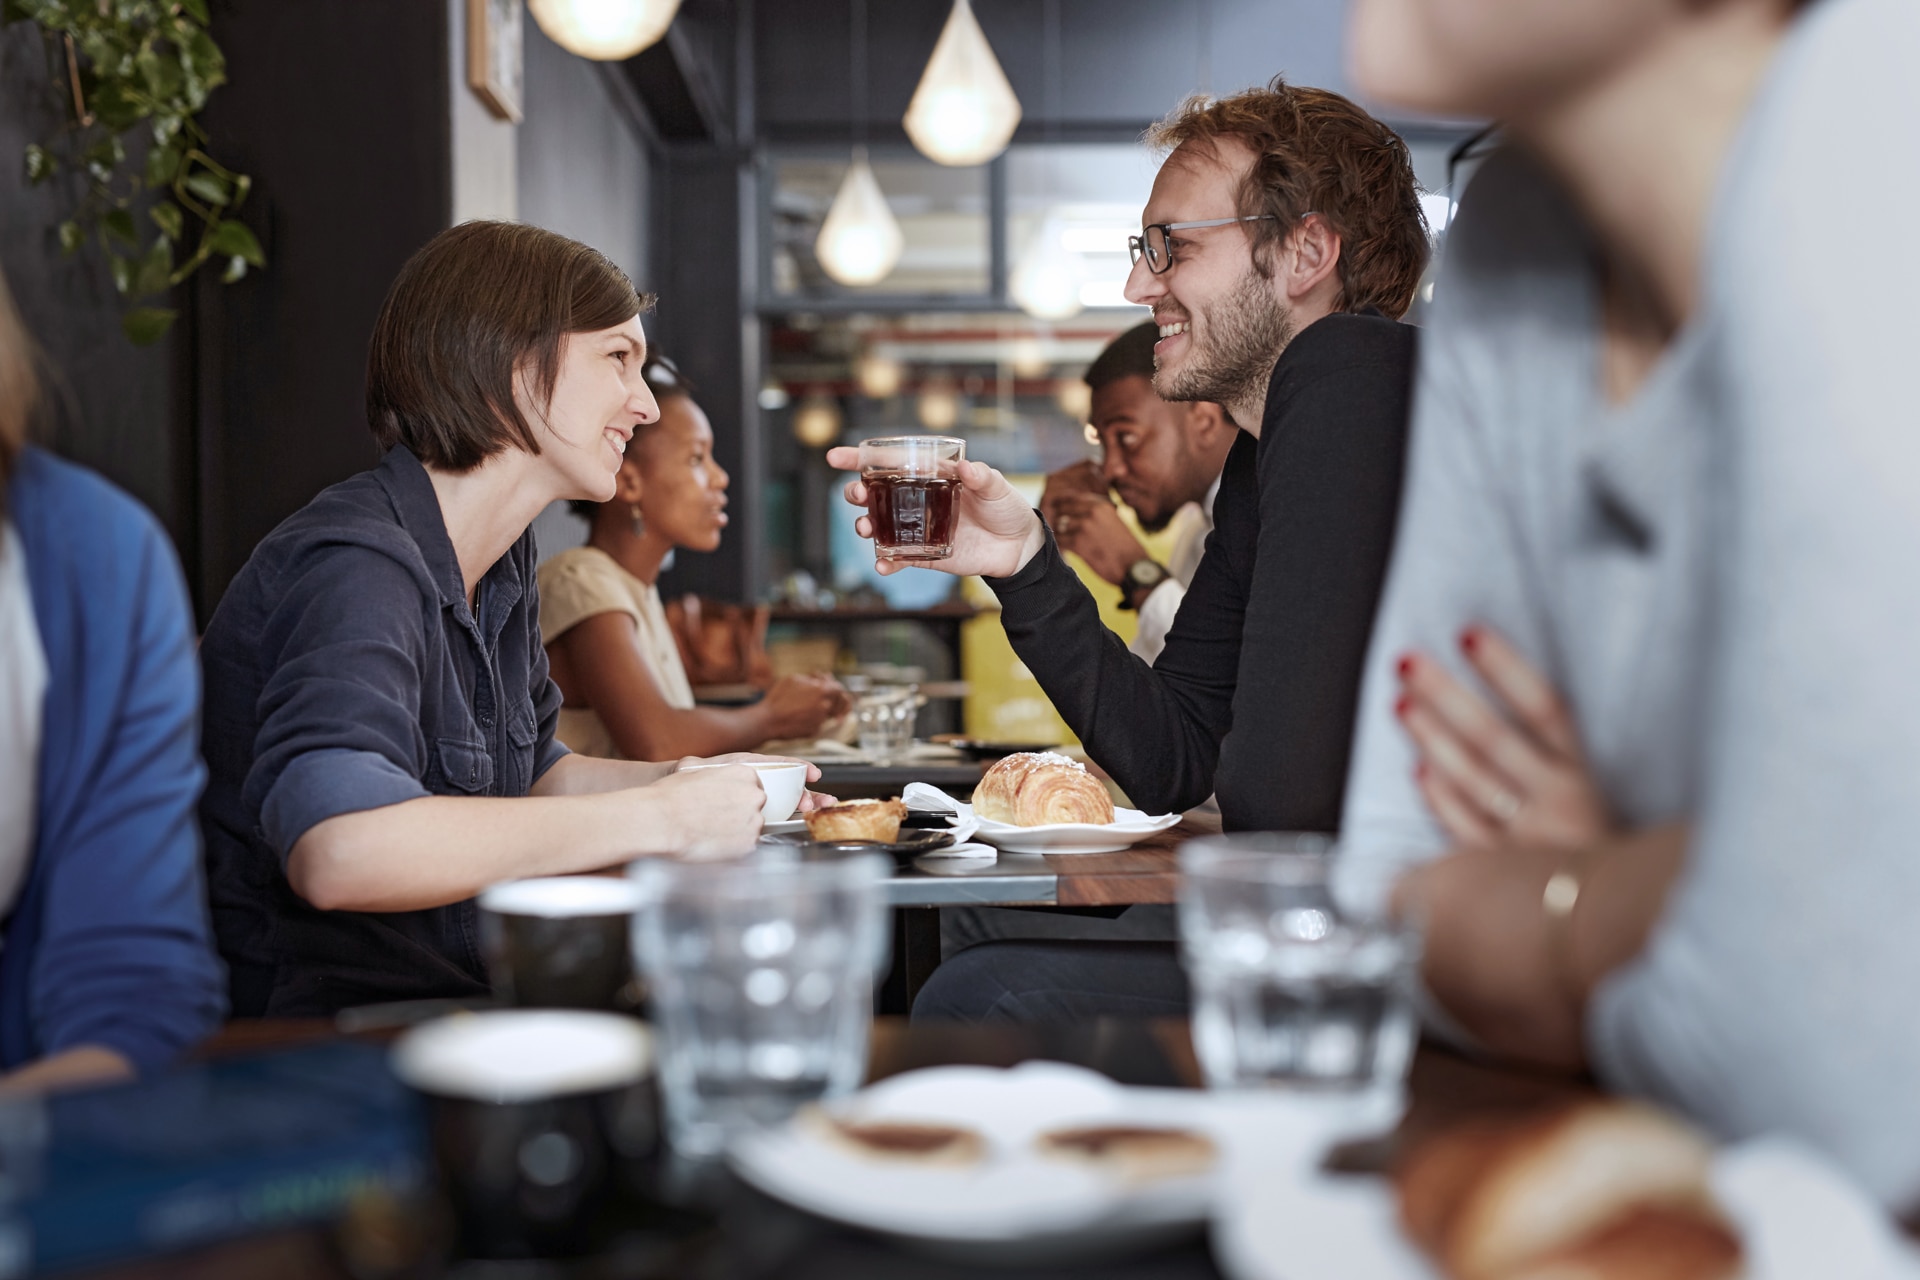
[{"x": 123, "y": 69}]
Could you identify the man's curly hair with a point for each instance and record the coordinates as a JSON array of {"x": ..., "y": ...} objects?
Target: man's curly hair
[{"x": 1316, "y": 152}]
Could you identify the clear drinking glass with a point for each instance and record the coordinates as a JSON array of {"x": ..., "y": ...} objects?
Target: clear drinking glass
[
  {"x": 883, "y": 721},
  {"x": 1302, "y": 974},
  {"x": 913, "y": 486},
  {"x": 762, "y": 977}
]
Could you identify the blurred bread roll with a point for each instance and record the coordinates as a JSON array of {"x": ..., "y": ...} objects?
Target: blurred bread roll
[
  {"x": 1137, "y": 1153},
  {"x": 1035, "y": 788},
  {"x": 1598, "y": 1191}
]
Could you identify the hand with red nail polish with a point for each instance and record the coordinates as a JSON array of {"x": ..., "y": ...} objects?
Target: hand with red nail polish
[{"x": 1498, "y": 770}]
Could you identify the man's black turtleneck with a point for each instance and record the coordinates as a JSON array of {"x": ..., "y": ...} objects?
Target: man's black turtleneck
[{"x": 1253, "y": 697}]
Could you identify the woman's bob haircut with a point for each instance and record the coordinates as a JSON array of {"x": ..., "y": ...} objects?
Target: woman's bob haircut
[{"x": 476, "y": 305}]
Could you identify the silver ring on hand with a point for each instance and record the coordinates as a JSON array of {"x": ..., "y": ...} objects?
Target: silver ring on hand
[{"x": 1505, "y": 806}]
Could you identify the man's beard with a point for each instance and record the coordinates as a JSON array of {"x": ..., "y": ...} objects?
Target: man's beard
[
  {"x": 1161, "y": 519},
  {"x": 1245, "y": 332}
]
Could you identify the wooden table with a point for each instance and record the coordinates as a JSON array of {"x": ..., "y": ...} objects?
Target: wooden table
[
  {"x": 757, "y": 1238},
  {"x": 1147, "y": 872}
]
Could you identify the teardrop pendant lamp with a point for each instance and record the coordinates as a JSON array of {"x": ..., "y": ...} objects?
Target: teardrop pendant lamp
[
  {"x": 604, "y": 30},
  {"x": 964, "y": 111},
  {"x": 859, "y": 242}
]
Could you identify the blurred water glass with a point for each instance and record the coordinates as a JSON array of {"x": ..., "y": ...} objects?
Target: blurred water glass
[
  {"x": 762, "y": 978},
  {"x": 883, "y": 719},
  {"x": 1302, "y": 972}
]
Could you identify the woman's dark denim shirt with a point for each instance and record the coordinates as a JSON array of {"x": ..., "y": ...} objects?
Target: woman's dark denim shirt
[{"x": 344, "y": 672}]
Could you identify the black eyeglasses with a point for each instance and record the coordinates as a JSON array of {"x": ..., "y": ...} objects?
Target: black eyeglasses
[{"x": 1156, "y": 245}]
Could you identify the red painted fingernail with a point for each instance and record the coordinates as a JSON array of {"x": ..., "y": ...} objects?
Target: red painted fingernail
[
  {"x": 1400, "y": 706},
  {"x": 1470, "y": 640},
  {"x": 1404, "y": 666}
]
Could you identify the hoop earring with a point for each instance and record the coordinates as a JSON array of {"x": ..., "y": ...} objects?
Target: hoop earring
[{"x": 638, "y": 525}]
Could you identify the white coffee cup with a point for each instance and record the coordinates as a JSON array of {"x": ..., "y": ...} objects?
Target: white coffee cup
[{"x": 784, "y": 781}]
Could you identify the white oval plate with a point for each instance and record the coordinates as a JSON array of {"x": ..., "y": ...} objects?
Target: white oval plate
[
  {"x": 1129, "y": 827},
  {"x": 1797, "y": 1216},
  {"x": 1014, "y": 1204}
]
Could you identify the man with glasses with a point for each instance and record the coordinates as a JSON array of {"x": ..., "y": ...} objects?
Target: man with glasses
[
  {"x": 1163, "y": 460},
  {"x": 1283, "y": 232}
]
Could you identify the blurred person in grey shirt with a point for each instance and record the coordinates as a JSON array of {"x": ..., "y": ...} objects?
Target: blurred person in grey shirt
[{"x": 1641, "y": 689}]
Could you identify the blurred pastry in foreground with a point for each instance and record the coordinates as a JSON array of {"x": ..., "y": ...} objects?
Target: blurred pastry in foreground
[
  {"x": 1596, "y": 1191},
  {"x": 1136, "y": 1153},
  {"x": 911, "y": 1141},
  {"x": 876, "y": 820},
  {"x": 1035, "y": 788}
]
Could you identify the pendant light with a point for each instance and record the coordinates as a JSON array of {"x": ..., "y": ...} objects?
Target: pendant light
[
  {"x": 1075, "y": 399},
  {"x": 880, "y": 376},
  {"x": 604, "y": 30},
  {"x": 938, "y": 407},
  {"x": 964, "y": 111},
  {"x": 859, "y": 242},
  {"x": 817, "y": 422},
  {"x": 1047, "y": 282}
]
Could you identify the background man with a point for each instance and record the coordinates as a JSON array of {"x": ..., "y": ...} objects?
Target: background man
[{"x": 1163, "y": 460}]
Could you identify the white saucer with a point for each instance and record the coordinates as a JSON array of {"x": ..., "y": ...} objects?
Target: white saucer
[{"x": 1013, "y": 1207}]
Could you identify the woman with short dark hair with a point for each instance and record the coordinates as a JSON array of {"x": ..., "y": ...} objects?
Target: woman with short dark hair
[{"x": 379, "y": 720}]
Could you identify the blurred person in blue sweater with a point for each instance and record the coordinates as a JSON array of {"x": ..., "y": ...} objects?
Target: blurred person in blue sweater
[{"x": 107, "y": 967}]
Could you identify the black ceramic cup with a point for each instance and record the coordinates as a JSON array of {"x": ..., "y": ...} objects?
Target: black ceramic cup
[
  {"x": 563, "y": 942},
  {"x": 536, "y": 1120}
]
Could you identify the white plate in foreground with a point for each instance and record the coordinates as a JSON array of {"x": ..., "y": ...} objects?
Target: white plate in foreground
[
  {"x": 1796, "y": 1214},
  {"x": 1129, "y": 827},
  {"x": 1013, "y": 1206}
]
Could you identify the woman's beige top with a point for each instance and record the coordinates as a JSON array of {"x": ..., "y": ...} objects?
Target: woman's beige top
[{"x": 578, "y": 584}]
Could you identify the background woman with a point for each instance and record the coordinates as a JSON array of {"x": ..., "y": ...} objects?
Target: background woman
[
  {"x": 612, "y": 652},
  {"x": 108, "y": 966},
  {"x": 379, "y": 717},
  {"x": 1664, "y": 445}
]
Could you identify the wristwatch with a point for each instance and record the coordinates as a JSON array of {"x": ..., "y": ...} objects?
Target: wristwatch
[{"x": 1142, "y": 577}]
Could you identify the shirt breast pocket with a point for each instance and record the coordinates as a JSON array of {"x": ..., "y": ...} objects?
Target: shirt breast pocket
[
  {"x": 522, "y": 733},
  {"x": 465, "y": 766}
]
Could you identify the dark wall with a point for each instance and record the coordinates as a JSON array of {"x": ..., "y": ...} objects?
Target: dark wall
[
  {"x": 581, "y": 159},
  {"x": 698, "y": 196},
  {"x": 1123, "y": 63},
  {"x": 118, "y": 408},
  {"x": 338, "y": 108}
]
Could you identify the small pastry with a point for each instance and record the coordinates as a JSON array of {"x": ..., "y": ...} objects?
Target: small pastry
[
  {"x": 907, "y": 1141},
  {"x": 1036, "y": 788},
  {"x": 875, "y": 820},
  {"x": 1136, "y": 1153}
]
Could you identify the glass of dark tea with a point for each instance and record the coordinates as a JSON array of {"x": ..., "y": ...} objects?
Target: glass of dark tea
[{"x": 913, "y": 488}]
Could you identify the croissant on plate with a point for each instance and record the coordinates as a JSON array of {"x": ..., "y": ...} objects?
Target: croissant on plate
[{"x": 1035, "y": 788}]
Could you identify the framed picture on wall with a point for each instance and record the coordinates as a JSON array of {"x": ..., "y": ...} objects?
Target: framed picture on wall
[{"x": 494, "y": 68}]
